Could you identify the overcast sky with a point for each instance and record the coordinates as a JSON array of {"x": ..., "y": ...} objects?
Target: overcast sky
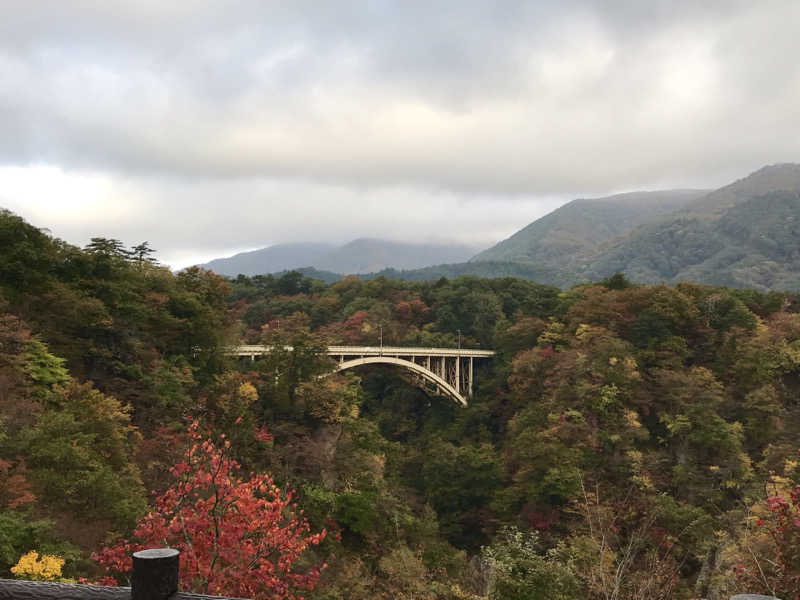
[{"x": 208, "y": 127}]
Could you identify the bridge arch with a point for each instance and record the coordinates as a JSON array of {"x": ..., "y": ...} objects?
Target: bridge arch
[{"x": 429, "y": 376}]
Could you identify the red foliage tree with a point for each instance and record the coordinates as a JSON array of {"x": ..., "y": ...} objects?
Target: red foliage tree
[
  {"x": 237, "y": 537},
  {"x": 773, "y": 563}
]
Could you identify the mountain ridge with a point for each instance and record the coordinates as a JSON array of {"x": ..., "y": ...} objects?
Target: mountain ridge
[
  {"x": 582, "y": 224},
  {"x": 719, "y": 239},
  {"x": 359, "y": 256},
  {"x": 743, "y": 234},
  {"x": 725, "y": 236},
  {"x": 275, "y": 258}
]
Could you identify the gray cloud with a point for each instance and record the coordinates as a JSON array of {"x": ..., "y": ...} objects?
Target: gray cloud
[{"x": 343, "y": 102}]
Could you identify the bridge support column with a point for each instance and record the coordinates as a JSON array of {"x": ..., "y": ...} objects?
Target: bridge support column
[
  {"x": 458, "y": 374},
  {"x": 469, "y": 379}
]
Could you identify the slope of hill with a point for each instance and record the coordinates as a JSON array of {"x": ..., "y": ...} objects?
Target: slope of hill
[
  {"x": 269, "y": 260},
  {"x": 767, "y": 179},
  {"x": 743, "y": 234},
  {"x": 363, "y": 255},
  {"x": 755, "y": 243},
  {"x": 562, "y": 237},
  {"x": 312, "y": 273},
  {"x": 366, "y": 255},
  {"x": 490, "y": 269}
]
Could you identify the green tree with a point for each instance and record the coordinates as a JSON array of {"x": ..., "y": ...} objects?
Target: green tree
[
  {"x": 459, "y": 482},
  {"x": 142, "y": 253},
  {"x": 107, "y": 247},
  {"x": 521, "y": 570},
  {"x": 79, "y": 456},
  {"x": 708, "y": 465}
]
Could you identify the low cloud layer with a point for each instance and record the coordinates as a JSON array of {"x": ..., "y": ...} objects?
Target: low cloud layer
[{"x": 233, "y": 125}]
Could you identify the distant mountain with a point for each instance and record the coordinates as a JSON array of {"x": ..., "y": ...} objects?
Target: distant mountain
[
  {"x": 565, "y": 236},
  {"x": 368, "y": 255},
  {"x": 363, "y": 255},
  {"x": 530, "y": 271},
  {"x": 313, "y": 273},
  {"x": 746, "y": 234},
  {"x": 280, "y": 257},
  {"x": 771, "y": 178}
]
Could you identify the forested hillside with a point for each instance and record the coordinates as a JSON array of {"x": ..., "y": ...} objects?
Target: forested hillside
[
  {"x": 637, "y": 440},
  {"x": 753, "y": 244},
  {"x": 523, "y": 270},
  {"x": 741, "y": 235},
  {"x": 99, "y": 350},
  {"x": 564, "y": 237},
  {"x": 363, "y": 255}
]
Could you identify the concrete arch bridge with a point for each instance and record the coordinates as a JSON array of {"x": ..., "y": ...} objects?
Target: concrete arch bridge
[{"x": 445, "y": 371}]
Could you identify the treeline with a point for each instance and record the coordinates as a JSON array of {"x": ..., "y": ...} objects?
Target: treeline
[{"x": 624, "y": 440}]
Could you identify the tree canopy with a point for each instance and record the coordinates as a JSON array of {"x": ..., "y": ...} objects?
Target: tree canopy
[{"x": 621, "y": 438}]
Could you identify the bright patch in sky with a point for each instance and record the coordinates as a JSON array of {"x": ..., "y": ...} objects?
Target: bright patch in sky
[{"x": 51, "y": 195}]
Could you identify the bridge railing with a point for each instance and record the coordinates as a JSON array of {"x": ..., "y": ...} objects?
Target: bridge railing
[
  {"x": 154, "y": 577},
  {"x": 249, "y": 349}
]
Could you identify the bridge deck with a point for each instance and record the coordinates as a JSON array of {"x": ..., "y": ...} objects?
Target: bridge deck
[{"x": 376, "y": 351}]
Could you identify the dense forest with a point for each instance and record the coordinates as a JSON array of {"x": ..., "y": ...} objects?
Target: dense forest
[{"x": 627, "y": 441}]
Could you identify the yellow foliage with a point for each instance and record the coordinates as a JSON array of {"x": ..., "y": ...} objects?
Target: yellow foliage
[
  {"x": 554, "y": 335},
  {"x": 639, "y": 475},
  {"x": 780, "y": 482},
  {"x": 631, "y": 366},
  {"x": 583, "y": 330},
  {"x": 632, "y": 419},
  {"x": 30, "y": 566},
  {"x": 248, "y": 393}
]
